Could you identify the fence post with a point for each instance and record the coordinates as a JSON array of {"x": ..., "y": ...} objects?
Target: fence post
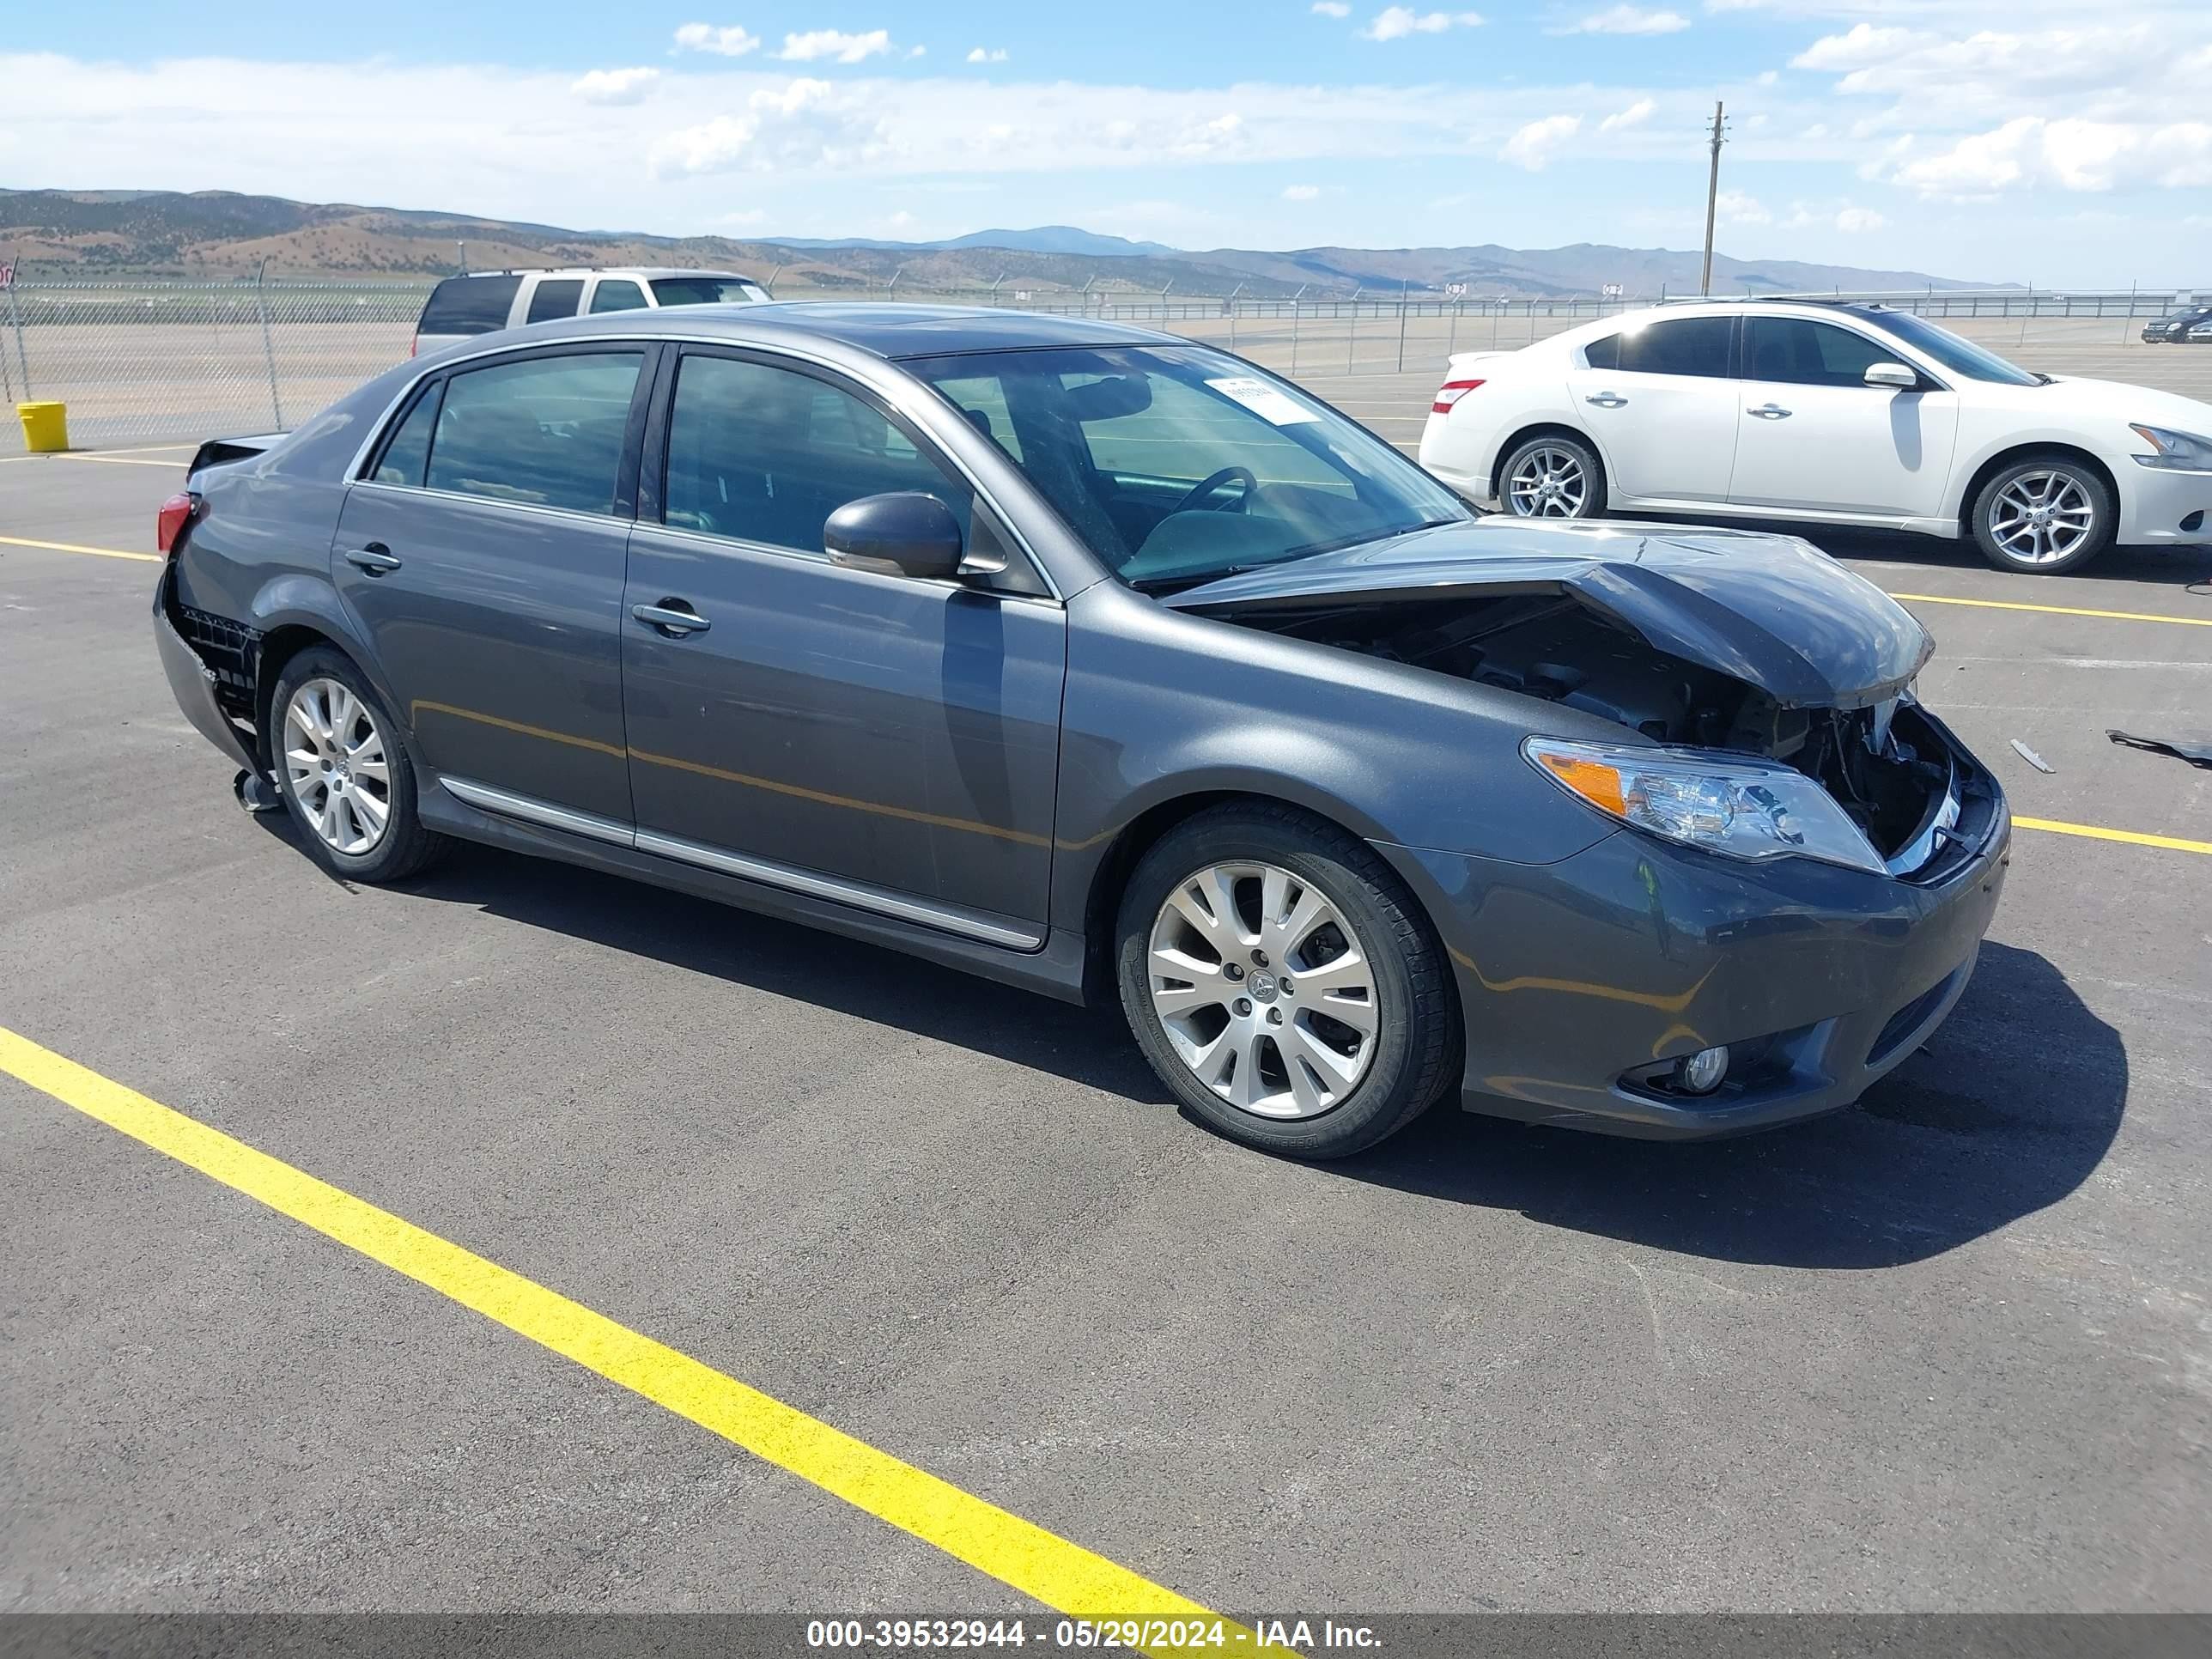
[
  {"x": 1454, "y": 344},
  {"x": 1351, "y": 334},
  {"x": 268, "y": 346},
  {"x": 1404, "y": 288},
  {"x": 16, "y": 312},
  {"x": 1294, "y": 298},
  {"x": 2127, "y": 322}
]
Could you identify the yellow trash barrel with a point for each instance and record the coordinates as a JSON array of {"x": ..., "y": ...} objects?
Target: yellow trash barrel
[{"x": 46, "y": 427}]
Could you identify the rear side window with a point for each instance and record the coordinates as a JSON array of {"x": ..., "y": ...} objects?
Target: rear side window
[
  {"x": 469, "y": 305},
  {"x": 542, "y": 432},
  {"x": 403, "y": 458},
  {"x": 617, "y": 295},
  {"x": 559, "y": 298},
  {"x": 1800, "y": 352},
  {"x": 1680, "y": 345},
  {"x": 766, "y": 454}
]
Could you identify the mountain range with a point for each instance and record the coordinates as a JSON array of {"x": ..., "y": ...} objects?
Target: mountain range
[{"x": 94, "y": 233}]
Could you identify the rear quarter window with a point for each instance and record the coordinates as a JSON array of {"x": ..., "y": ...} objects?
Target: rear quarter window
[{"x": 469, "y": 305}]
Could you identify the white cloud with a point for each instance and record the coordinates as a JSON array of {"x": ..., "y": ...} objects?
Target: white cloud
[
  {"x": 835, "y": 45},
  {"x": 987, "y": 55},
  {"x": 1634, "y": 116},
  {"x": 1331, "y": 8},
  {"x": 2034, "y": 151},
  {"x": 775, "y": 125},
  {"x": 1733, "y": 207},
  {"x": 615, "y": 86},
  {"x": 1853, "y": 221},
  {"x": 1627, "y": 20},
  {"x": 1396, "y": 22},
  {"x": 730, "y": 42},
  {"x": 1532, "y": 145},
  {"x": 1300, "y": 192}
]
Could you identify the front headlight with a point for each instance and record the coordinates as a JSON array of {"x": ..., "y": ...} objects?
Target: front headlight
[
  {"x": 1735, "y": 806},
  {"x": 2177, "y": 452}
]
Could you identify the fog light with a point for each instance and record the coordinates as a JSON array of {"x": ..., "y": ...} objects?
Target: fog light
[{"x": 1701, "y": 1074}]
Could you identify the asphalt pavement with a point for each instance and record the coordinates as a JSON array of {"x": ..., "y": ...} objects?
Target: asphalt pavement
[{"x": 1951, "y": 1350}]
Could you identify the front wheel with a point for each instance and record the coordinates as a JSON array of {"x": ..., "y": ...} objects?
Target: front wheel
[
  {"x": 1552, "y": 477},
  {"x": 1283, "y": 982},
  {"x": 2043, "y": 515}
]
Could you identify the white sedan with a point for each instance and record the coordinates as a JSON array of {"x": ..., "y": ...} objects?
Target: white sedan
[{"x": 1823, "y": 413}]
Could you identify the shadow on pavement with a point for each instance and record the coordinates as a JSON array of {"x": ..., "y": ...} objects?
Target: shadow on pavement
[{"x": 2009, "y": 1110}]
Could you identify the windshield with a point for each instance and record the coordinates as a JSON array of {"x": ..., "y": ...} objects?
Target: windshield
[
  {"x": 702, "y": 291},
  {"x": 1177, "y": 464},
  {"x": 1959, "y": 356}
]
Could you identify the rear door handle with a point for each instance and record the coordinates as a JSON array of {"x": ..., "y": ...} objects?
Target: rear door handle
[
  {"x": 672, "y": 617},
  {"x": 374, "y": 558},
  {"x": 1770, "y": 413},
  {"x": 1607, "y": 399}
]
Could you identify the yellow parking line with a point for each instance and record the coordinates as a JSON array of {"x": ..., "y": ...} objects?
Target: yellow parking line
[
  {"x": 2054, "y": 609},
  {"x": 1015, "y": 1552},
  {"x": 72, "y": 547},
  {"x": 2097, "y": 832}
]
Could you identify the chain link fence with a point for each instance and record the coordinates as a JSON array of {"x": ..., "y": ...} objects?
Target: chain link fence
[{"x": 145, "y": 361}]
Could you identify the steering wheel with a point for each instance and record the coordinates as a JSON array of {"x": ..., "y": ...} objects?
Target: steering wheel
[{"x": 1206, "y": 486}]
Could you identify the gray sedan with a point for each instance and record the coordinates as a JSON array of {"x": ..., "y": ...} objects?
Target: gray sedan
[{"x": 1108, "y": 667}]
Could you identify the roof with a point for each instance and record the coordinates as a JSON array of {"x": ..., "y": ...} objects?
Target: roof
[
  {"x": 649, "y": 273},
  {"x": 882, "y": 330}
]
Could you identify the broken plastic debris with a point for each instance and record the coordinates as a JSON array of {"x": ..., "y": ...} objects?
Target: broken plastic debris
[
  {"x": 2197, "y": 754},
  {"x": 2031, "y": 757}
]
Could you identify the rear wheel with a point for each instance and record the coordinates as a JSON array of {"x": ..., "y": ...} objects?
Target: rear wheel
[
  {"x": 2043, "y": 515},
  {"x": 343, "y": 770},
  {"x": 1552, "y": 476},
  {"x": 1283, "y": 982}
]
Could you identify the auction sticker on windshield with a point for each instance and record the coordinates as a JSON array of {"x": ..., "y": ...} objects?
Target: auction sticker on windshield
[{"x": 1263, "y": 400}]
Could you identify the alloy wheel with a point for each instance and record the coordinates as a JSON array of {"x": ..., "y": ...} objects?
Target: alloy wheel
[
  {"x": 1263, "y": 989},
  {"x": 2040, "y": 518},
  {"x": 1548, "y": 484},
  {"x": 335, "y": 762}
]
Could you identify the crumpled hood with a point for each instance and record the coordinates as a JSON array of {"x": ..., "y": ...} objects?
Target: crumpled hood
[{"x": 1767, "y": 610}]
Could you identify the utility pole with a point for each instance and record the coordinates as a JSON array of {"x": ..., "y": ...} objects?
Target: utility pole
[{"x": 1712, "y": 201}]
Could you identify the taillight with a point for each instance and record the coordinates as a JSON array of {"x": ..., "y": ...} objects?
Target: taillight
[
  {"x": 1450, "y": 394},
  {"x": 169, "y": 524}
]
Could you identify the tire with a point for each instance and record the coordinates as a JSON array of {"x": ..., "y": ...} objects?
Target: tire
[
  {"x": 303, "y": 759},
  {"x": 2009, "y": 542},
  {"x": 1352, "y": 1088},
  {"x": 1572, "y": 479}
]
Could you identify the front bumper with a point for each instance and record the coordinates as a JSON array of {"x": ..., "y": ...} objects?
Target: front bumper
[
  {"x": 1636, "y": 952},
  {"x": 2160, "y": 506}
]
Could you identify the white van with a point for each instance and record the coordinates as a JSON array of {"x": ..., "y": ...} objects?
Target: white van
[{"x": 483, "y": 301}]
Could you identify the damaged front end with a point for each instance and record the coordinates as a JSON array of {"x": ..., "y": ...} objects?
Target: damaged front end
[{"x": 1768, "y": 690}]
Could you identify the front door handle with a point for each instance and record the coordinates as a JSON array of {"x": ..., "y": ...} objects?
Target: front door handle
[
  {"x": 1607, "y": 399},
  {"x": 1770, "y": 413},
  {"x": 374, "y": 558},
  {"x": 672, "y": 617}
]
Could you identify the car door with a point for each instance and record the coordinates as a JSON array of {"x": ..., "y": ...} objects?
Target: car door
[
  {"x": 1816, "y": 437},
  {"x": 889, "y": 742},
  {"x": 1659, "y": 400},
  {"x": 483, "y": 556}
]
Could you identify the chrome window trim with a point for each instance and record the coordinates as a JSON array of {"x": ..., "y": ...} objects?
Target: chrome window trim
[
  {"x": 896, "y": 393},
  {"x": 860, "y": 896},
  {"x": 619, "y": 520}
]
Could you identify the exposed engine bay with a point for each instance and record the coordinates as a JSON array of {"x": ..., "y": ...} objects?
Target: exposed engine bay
[{"x": 1886, "y": 764}]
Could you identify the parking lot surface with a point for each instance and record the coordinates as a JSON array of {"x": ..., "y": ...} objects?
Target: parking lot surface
[{"x": 1950, "y": 1350}]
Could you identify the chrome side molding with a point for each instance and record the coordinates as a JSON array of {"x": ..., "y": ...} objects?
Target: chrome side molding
[{"x": 812, "y": 884}]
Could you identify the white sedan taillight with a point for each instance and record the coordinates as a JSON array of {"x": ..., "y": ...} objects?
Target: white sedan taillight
[{"x": 1450, "y": 394}]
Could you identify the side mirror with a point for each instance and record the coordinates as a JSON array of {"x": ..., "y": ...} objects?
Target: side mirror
[
  {"x": 1896, "y": 376},
  {"x": 905, "y": 533}
]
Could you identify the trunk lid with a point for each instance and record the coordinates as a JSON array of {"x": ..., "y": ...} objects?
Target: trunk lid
[{"x": 1767, "y": 610}]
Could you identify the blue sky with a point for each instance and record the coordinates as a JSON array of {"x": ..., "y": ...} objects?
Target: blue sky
[{"x": 2020, "y": 140}]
